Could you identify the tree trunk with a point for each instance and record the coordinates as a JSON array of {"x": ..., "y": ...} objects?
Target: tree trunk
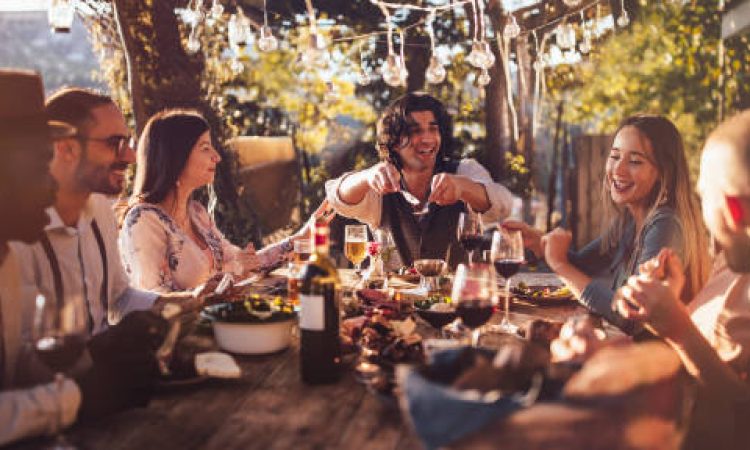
[
  {"x": 497, "y": 117},
  {"x": 417, "y": 56}
]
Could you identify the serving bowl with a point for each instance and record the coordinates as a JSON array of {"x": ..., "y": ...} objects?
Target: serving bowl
[
  {"x": 253, "y": 338},
  {"x": 253, "y": 327}
]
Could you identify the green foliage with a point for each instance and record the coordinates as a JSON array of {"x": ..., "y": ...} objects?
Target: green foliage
[
  {"x": 668, "y": 62},
  {"x": 517, "y": 175}
]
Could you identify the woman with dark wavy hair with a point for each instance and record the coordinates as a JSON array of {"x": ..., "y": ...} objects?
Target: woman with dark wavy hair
[
  {"x": 649, "y": 204},
  {"x": 168, "y": 240}
]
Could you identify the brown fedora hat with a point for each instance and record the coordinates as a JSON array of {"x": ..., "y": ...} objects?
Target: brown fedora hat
[{"x": 22, "y": 107}]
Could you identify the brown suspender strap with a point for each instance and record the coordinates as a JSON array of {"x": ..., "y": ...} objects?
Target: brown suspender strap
[
  {"x": 55, "y": 266},
  {"x": 105, "y": 267}
]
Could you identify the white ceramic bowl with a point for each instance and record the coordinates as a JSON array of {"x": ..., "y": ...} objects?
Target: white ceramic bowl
[{"x": 253, "y": 338}]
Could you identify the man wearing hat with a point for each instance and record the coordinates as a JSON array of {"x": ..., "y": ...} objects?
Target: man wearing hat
[
  {"x": 78, "y": 253},
  {"x": 29, "y": 406}
]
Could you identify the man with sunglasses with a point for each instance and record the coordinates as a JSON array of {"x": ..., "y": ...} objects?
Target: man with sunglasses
[{"x": 78, "y": 252}]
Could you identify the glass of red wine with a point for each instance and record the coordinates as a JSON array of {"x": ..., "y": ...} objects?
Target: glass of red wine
[
  {"x": 60, "y": 332},
  {"x": 473, "y": 294},
  {"x": 507, "y": 257},
  {"x": 470, "y": 231}
]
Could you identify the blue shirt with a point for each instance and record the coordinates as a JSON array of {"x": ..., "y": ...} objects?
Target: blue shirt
[{"x": 610, "y": 270}]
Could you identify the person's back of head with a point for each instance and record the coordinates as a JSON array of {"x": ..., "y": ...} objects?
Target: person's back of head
[
  {"x": 26, "y": 186},
  {"x": 724, "y": 184},
  {"x": 393, "y": 124}
]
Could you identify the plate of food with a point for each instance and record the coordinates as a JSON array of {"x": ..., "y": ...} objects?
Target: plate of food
[{"x": 543, "y": 295}]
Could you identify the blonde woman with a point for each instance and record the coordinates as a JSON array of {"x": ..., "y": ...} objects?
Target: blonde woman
[{"x": 650, "y": 205}]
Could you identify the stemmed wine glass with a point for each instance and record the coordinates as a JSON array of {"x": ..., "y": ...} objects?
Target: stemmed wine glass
[
  {"x": 59, "y": 333},
  {"x": 470, "y": 231},
  {"x": 473, "y": 293},
  {"x": 507, "y": 256},
  {"x": 355, "y": 244}
]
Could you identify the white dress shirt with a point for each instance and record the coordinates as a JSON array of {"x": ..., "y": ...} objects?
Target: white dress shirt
[
  {"x": 80, "y": 261},
  {"x": 370, "y": 208},
  {"x": 33, "y": 410}
]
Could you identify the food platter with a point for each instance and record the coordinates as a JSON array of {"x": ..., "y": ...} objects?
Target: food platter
[{"x": 543, "y": 295}]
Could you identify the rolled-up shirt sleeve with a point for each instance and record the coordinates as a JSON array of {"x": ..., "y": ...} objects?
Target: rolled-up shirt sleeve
[
  {"x": 501, "y": 200},
  {"x": 34, "y": 411},
  {"x": 367, "y": 211}
]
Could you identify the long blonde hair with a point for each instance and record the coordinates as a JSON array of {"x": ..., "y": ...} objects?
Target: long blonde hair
[{"x": 673, "y": 189}]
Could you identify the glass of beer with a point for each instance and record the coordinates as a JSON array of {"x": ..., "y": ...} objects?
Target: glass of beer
[
  {"x": 355, "y": 244},
  {"x": 302, "y": 250}
]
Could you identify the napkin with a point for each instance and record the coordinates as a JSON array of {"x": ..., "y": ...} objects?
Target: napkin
[
  {"x": 441, "y": 414},
  {"x": 217, "y": 365}
]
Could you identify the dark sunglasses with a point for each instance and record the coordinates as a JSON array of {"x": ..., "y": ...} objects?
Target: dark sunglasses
[{"x": 118, "y": 143}]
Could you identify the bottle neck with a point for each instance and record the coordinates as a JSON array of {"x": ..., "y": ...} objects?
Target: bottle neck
[{"x": 320, "y": 240}]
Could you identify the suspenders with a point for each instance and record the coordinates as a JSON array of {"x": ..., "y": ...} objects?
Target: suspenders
[{"x": 57, "y": 274}]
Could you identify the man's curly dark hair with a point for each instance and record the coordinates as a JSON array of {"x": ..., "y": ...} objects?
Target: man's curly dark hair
[{"x": 393, "y": 126}]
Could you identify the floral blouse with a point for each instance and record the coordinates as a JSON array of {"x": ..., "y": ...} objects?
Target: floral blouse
[{"x": 159, "y": 256}]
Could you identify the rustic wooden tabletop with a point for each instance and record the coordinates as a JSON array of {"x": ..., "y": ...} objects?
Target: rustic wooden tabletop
[{"x": 267, "y": 408}]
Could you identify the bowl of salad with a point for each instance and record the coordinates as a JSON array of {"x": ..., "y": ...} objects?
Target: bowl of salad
[{"x": 253, "y": 326}]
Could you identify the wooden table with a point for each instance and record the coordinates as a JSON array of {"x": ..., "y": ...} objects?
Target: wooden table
[{"x": 268, "y": 408}]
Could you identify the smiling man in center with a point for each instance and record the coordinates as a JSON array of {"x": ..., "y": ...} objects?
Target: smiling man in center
[{"x": 415, "y": 143}]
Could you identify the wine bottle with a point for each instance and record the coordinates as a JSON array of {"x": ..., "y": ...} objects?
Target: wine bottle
[{"x": 320, "y": 350}]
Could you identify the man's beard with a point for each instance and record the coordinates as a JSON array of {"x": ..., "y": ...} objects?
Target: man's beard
[{"x": 97, "y": 179}]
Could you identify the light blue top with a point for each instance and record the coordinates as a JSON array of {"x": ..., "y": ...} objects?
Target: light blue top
[{"x": 609, "y": 271}]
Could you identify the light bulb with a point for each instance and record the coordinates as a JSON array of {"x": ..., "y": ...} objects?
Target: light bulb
[
  {"x": 315, "y": 53},
  {"x": 623, "y": 20},
  {"x": 475, "y": 55},
  {"x": 236, "y": 66},
  {"x": 193, "y": 43},
  {"x": 572, "y": 3},
  {"x": 216, "y": 10},
  {"x": 60, "y": 15},
  {"x": 511, "y": 30},
  {"x": 585, "y": 46},
  {"x": 236, "y": 32},
  {"x": 391, "y": 70},
  {"x": 363, "y": 78},
  {"x": 486, "y": 58},
  {"x": 484, "y": 78},
  {"x": 267, "y": 41},
  {"x": 435, "y": 73},
  {"x": 566, "y": 36}
]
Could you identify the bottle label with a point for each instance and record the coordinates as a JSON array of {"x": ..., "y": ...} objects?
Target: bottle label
[{"x": 312, "y": 314}]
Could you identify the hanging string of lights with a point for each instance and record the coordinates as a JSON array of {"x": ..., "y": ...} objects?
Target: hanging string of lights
[{"x": 313, "y": 52}]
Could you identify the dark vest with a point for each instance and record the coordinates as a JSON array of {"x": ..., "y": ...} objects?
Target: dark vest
[{"x": 431, "y": 235}]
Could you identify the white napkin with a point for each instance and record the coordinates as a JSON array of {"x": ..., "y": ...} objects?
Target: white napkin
[{"x": 217, "y": 365}]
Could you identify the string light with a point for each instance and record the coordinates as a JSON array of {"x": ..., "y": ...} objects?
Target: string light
[
  {"x": 60, "y": 15},
  {"x": 267, "y": 41},
  {"x": 511, "y": 30},
  {"x": 363, "y": 77},
  {"x": 624, "y": 19},
  {"x": 435, "y": 73}
]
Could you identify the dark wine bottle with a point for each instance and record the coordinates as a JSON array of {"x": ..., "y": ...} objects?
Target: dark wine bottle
[{"x": 320, "y": 350}]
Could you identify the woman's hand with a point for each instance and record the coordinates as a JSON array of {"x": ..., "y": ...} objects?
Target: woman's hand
[
  {"x": 532, "y": 238},
  {"x": 579, "y": 339},
  {"x": 655, "y": 301},
  {"x": 248, "y": 260},
  {"x": 556, "y": 244}
]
